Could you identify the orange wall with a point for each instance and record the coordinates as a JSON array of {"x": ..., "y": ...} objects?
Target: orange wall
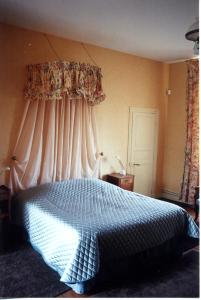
[
  {"x": 127, "y": 81},
  {"x": 175, "y": 129}
]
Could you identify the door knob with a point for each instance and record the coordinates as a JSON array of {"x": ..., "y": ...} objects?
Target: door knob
[{"x": 136, "y": 164}]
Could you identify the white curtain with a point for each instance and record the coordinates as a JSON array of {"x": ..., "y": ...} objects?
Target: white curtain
[{"x": 57, "y": 140}]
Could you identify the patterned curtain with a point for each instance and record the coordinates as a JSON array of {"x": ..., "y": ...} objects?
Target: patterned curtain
[
  {"x": 57, "y": 138},
  {"x": 191, "y": 165}
]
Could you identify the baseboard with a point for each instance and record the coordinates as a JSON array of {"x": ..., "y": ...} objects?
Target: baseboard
[
  {"x": 170, "y": 195},
  {"x": 174, "y": 197}
]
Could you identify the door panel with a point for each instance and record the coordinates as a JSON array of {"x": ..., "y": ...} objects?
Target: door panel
[
  {"x": 144, "y": 133},
  {"x": 142, "y": 149},
  {"x": 142, "y": 156},
  {"x": 143, "y": 179}
]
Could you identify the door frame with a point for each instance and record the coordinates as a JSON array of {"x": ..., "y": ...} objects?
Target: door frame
[{"x": 133, "y": 109}]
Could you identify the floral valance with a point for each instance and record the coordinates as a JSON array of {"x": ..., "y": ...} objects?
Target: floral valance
[{"x": 55, "y": 80}]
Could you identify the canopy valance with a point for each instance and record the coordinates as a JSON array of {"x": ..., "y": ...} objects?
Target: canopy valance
[{"x": 55, "y": 80}]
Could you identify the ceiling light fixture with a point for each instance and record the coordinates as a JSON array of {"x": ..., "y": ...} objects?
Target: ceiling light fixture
[{"x": 193, "y": 35}]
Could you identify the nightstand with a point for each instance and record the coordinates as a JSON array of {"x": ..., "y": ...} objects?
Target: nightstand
[
  {"x": 125, "y": 182},
  {"x": 5, "y": 198}
]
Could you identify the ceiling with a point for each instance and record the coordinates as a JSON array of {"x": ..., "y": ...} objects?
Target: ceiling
[{"x": 149, "y": 28}]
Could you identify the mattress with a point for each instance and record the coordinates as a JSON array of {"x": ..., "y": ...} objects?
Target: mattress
[{"x": 79, "y": 224}]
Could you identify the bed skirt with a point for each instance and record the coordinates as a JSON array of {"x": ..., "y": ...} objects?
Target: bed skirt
[{"x": 146, "y": 260}]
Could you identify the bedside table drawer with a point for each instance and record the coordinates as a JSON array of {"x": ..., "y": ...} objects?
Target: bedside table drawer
[
  {"x": 125, "y": 182},
  {"x": 127, "y": 185},
  {"x": 4, "y": 234},
  {"x": 4, "y": 218},
  {"x": 3, "y": 207}
]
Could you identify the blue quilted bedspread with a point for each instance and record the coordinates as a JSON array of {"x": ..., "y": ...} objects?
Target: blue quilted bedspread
[{"x": 76, "y": 224}]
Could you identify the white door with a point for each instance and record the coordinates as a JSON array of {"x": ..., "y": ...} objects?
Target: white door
[{"x": 142, "y": 148}]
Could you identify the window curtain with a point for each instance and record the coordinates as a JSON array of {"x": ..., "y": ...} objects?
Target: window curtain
[
  {"x": 191, "y": 164},
  {"x": 57, "y": 139}
]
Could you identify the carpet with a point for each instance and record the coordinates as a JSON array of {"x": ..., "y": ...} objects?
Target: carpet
[
  {"x": 177, "y": 279},
  {"x": 23, "y": 273}
]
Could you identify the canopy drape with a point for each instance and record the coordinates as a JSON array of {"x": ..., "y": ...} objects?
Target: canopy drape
[{"x": 57, "y": 139}]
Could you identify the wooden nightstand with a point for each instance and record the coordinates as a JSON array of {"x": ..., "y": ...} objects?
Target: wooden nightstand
[
  {"x": 5, "y": 198},
  {"x": 125, "y": 182}
]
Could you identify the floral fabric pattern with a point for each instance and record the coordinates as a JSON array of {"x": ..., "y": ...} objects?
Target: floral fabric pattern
[
  {"x": 191, "y": 166},
  {"x": 54, "y": 80}
]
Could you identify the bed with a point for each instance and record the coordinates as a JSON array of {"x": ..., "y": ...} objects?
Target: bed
[{"x": 80, "y": 225}]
